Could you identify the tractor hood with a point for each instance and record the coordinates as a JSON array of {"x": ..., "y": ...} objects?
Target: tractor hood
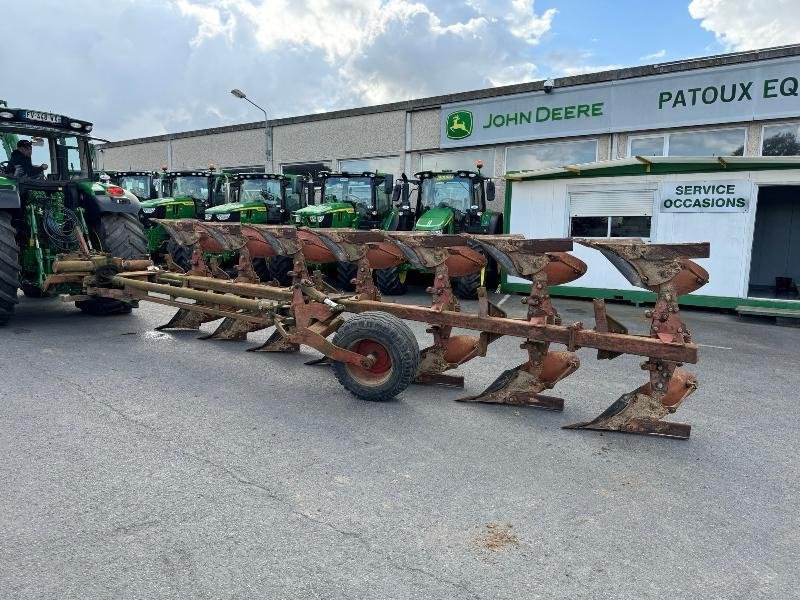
[
  {"x": 434, "y": 219},
  {"x": 156, "y": 202},
  {"x": 235, "y": 207},
  {"x": 316, "y": 210}
]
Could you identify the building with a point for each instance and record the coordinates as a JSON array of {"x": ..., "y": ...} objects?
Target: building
[{"x": 734, "y": 105}]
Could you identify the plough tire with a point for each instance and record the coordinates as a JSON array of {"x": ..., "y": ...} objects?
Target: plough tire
[
  {"x": 120, "y": 235},
  {"x": 9, "y": 267},
  {"x": 278, "y": 268},
  {"x": 394, "y": 346},
  {"x": 181, "y": 255},
  {"x": 345, "y": 273},
  {"x": 391, "y": 281}
]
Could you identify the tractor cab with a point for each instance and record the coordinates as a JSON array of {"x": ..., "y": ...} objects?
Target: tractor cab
[
  {"x": 142, "y": 184},
  {"x": 260, "y": 198},
  {"x": 357, "y": 200},
  {"x": 185, "y": 195},
  {"x": 454, "y": 202}
]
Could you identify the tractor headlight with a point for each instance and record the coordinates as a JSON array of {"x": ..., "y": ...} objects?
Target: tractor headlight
[
  {"x": 149, "y": 210},
  {"x": 223, "y": 216},
  {"x": 297, "y": 218},
  {"x": 208, "y": 217}
]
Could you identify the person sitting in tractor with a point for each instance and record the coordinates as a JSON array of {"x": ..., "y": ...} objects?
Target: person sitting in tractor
[{"x": 20, "y": 165}]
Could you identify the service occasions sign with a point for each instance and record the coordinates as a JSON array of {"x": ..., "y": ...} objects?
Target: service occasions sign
[
  {"x": 706, "y": 196},
  {"x": 735, "y": 93}
]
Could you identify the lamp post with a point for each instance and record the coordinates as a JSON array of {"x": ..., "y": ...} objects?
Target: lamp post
[{"x": 267, "y": 132}]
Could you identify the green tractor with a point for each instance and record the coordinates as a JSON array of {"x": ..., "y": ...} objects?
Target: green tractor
[
  {"x": 66, "y": 212},
  {"x": 142, "y": 184},
  {"x": 263, "y": 198},
  {"x": 357, "y": 200},
  {"x": 184, "y": 195},
  {"x": 446, "y": 202}
]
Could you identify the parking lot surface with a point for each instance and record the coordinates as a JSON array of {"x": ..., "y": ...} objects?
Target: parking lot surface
[{"x": 141, "y": 464}]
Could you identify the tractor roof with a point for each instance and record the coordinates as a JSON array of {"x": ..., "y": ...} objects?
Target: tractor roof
[
  {"x": 36, "y": 122},
  {"x": 198, "y": 173},
  {"x": 326, "y": 174},
  {"x": 258, "y": 176},
  {"x": 460, "y": 173},
  {"x": 131, "y": 173}
]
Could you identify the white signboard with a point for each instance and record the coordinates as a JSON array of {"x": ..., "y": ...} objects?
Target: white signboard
[
  {"x": 767, "y": 89},
  {"x": 706, "y": 196}
]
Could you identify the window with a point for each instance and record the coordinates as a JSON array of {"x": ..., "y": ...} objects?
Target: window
[
  {"x": 781, "y": 140},
  {"x": 384, "y": 164},
  {"x": 715, "y": 142},
  {"x": 459, "y": 161},
  {"x": 615, "y": 213},
  {"x": 543, "y": 156}
]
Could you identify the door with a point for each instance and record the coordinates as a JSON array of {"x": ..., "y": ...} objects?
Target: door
[{"x": 775, "y": 263}]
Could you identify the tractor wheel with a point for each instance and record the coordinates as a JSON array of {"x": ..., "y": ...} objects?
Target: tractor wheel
[
  {"x": 391, "y": 281},
  {"x": 278, "y": 268},
  {"x": 32, "y": 291},
  {"x": 9, "y": 267},
  {"x": 345, "y": 273},
  {"x": 182, "y": 255},
  {"x": 394, "y": 347},
  {"x": 466, "y": 287},
  {"x": 120, "y": 235}
]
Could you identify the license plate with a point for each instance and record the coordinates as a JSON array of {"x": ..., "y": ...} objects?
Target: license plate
[{"x": 43, "y": 117}]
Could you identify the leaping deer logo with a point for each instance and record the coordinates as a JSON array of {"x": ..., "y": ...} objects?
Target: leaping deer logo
[{"x": 459, "y": 124}]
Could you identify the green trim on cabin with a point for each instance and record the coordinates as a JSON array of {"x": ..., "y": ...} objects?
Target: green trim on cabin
[
  {"x": 641, "y": 297},
  {"x": 656, "y": 168}
]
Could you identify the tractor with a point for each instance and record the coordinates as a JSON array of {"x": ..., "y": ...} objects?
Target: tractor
[
  {"x": 446, "y": 202},
  {"x": 68, "y": 212},
  {"x": 263, "y": 198},
  {"x": 184, "y": 195},
  {"x": 144, "y": 185},
  {"x": 356, "y": 200}
]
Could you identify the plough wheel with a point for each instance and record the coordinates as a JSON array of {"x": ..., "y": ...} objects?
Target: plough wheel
[{"x": 390, "y": 342}]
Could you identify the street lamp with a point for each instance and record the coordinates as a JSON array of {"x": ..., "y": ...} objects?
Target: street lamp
[{"x": 267, "y": 132}]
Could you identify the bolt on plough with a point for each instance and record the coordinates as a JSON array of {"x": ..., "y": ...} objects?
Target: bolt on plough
[{"x": 375, "y": 355}]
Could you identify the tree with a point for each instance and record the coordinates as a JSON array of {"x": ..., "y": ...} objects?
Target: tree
[{"x": 782, "y": 144}]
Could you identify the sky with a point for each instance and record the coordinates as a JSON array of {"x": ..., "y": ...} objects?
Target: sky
[{"x": 146, "y": 67}]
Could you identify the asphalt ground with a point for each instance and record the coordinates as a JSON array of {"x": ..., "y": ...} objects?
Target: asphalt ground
[{"x": 139, "y": 464}]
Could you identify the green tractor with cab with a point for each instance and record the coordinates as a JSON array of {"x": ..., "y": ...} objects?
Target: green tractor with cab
[
  {"x": 66, "y": 212},
  {"x": 144, "y": 185},
  {"x": 355, "y": 200},
  {"x": 265, "y": 198},
  {"x": 184, "y": 195},
  {"x": 445, "y": 202}
]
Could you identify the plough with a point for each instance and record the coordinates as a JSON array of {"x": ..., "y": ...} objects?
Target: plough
[{"x": 375, "y": 355}]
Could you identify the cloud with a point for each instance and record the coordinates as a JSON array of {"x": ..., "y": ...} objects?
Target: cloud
[
  {"x": 749, "y": 24},
  {"x": 144, "y": 67},
  {"x": 655, "y": 55},
  {"x": 570, "y": 63}
]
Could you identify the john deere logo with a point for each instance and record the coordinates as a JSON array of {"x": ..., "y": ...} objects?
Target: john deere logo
[{"x": 459, "y": 124}]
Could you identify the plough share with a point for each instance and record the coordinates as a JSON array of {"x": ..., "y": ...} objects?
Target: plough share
[{"x": 375, "y": 355}]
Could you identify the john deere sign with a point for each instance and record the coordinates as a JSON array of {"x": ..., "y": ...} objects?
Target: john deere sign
[
  {"x": 755, "y": 91},
  {"x": 459, "y": 124}
]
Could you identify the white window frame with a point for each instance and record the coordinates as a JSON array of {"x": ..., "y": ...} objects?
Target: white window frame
[
  {"x": 560, "y": 142},
  {"x": 773, "y": 124},
  {"x": 667, "y": 134}
]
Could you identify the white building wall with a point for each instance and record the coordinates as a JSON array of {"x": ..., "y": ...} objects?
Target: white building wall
[{"x": 540, "y": 209}]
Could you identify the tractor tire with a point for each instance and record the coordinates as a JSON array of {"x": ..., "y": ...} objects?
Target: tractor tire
[
  {"x": 396, "y": 350},
  {"x": 345, "y": 273},
  {"x": 9, "y": 268},
  {"x": 182, "y": 255},
  {"x": 120, "y": 235},
  {"x": 391, "y": 281},
  {"x": 466, "y": 287},
  {"x": 32, "y": 291},
  {"x": 277, "y": 268}
]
